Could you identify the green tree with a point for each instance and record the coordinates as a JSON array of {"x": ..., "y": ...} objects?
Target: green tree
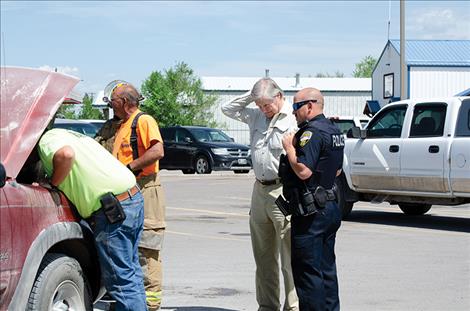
[
  {"x": 175, "y": 97},
  {"x": 66, "y": 111},
  {"x": 364, "y": 67},
  {"x": 87, "y": 111}
]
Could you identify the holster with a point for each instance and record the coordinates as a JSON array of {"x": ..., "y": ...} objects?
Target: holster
[
  {"x": 298, "y": 203},
  {"x": 112, "y": 208}
]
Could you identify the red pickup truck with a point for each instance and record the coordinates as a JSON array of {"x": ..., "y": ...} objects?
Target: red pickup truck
[{"x": 48, "y": 259}]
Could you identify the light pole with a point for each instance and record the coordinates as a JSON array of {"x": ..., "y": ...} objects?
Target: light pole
[{"x": 403, "y": 70}]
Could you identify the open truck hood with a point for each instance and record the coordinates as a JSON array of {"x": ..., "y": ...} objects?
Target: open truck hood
[{"x": 29, "y": 98}]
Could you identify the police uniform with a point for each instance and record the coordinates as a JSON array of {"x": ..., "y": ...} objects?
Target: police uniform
[{"x": 319, "y": 146}]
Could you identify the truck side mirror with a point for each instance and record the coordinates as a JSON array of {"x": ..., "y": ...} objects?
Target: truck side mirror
[
  {"x": 3, "y": 175},
  {"x": 357, "y": 132},
  {"x": 187, "y": 140}
]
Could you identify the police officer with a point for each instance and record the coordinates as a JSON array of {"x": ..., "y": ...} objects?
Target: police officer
[{"x": 314, "y": 157}]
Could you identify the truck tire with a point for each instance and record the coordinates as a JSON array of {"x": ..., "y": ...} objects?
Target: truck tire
[
  {"x": 60, "y": 285},
  {"x": 345, "y": 206},
  {"x": 414, "y": 208}
]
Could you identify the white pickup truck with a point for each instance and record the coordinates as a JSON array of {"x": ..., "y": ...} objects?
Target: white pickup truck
[{"x": 414, "y": 153}]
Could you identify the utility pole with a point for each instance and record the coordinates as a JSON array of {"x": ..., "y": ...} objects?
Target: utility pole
[{"x": 403, "y": 70}]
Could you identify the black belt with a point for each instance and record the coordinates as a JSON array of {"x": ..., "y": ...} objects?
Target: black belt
[{"x": 269, "y": 182}]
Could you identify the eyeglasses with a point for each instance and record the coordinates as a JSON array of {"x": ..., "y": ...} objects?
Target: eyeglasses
[
  {"x": 297, "y": 105},
  {"x": 109, "y": 101}
]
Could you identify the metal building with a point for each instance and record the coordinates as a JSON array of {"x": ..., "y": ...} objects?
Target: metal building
[
  {"x": 435, "y": 68},
  {"x": 343, "y": 96}
]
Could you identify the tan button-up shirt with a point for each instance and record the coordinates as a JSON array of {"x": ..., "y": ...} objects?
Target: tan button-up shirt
[{"x": 265, "y": 134}]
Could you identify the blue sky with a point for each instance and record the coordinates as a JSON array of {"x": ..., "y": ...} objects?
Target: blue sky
[{"x": 103, "y": 41}]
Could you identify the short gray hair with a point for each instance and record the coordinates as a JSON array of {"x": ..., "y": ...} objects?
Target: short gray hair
[{"x": 265, "y": 88}]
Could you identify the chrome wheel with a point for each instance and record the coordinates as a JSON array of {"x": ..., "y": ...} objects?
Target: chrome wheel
[
  {"x": 67, "y": 297},
  {"x": 202, "y": 165}
]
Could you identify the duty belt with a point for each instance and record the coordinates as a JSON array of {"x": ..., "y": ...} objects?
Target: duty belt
[{"x": 269, "y": 182}]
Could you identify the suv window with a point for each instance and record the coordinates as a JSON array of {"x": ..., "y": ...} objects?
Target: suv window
[
  {"x": 181, "y": 135},
  {"x": 428, "y": 120},
  {"x": 211, "y": 135},
  {"x": 463, "y": 122},
  {"x": 168, "y": 134},
  {"x": 388, "y": 123}
]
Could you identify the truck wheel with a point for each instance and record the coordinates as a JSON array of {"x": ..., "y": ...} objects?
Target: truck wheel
[
  {"x": 345, "y": 206},
  {"x": 202, "y": 165},
  {"x": 414, "y": 209},
  {"x": 60, "y": 285}
]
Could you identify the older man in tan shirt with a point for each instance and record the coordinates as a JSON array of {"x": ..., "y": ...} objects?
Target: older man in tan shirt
[{"x": 270, "y": 230}]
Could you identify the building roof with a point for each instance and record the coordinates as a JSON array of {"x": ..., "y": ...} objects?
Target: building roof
[
  {"x": 435, "y": 52},
  {"x": 287, "y": 84},
  {"x": 74, "y": 97}
]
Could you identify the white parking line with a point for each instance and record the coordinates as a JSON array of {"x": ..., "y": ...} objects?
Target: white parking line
[
  {"x": 205, "y": 236},
  {"x": 206, "y": 211}
]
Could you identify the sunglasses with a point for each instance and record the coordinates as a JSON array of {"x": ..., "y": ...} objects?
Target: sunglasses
[
  {"x": 297, "y": 105},
  {"x": 109, "y": 101}
]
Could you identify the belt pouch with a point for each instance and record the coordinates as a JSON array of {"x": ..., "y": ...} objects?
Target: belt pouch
[
  {"x": 112, "y": 208},
  {"x": 307, "y": 201}
]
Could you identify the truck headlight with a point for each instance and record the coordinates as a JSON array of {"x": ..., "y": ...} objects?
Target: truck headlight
[{"x": 220, "y": 151}]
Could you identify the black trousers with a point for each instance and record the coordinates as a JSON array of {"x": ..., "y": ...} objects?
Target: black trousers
[{"x": 314, "y": 260}]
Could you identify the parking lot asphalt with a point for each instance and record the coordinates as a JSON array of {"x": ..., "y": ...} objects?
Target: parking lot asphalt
[{"x": 386, "y": 260}]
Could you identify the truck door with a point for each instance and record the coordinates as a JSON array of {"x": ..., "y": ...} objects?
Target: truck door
[
  {"x": 423, "y": 152},
  {"x": 375, "y": 160},
  {"x": 460, "y": 153}
]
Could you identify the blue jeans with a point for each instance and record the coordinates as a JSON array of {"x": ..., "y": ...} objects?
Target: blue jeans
[
  {"x": 118, "y": 255},
  {"x": 314, "y": 260}
]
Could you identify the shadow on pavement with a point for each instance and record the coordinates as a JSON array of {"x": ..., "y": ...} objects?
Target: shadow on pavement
[
  {"x": 196, "y": 309},
  {"x": 430, "y": 221}
]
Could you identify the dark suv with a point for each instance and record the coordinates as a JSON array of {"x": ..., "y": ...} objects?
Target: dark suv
[{"x": 201, "y": 150}]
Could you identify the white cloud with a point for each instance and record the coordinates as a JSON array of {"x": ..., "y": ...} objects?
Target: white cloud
[
  {"x": 439, "y": 24},
  {"x": 73, "y": 71}
]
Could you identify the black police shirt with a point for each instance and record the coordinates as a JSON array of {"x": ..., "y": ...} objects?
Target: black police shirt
[{"x": 319, "y": 146}]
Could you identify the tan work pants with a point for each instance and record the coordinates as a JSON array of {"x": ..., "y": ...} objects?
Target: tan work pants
[
  {"x": 151, "y": 241},
  {"x": 270, "y": 238}
]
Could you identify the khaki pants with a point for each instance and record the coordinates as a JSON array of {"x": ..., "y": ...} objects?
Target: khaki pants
[
  {"x": 270, "y": 238},
  {"x": 151, "y": 263},
  {"x": 151, "y": 241}
]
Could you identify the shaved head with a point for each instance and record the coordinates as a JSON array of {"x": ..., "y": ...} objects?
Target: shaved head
[
  {"x": 309, "y": 93},
  {"x": 311, "y": 101}
]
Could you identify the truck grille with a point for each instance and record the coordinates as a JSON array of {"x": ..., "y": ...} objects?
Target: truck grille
[{"x": 238, "y": 152}]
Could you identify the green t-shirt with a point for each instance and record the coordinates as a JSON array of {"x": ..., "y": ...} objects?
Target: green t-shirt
[{"x": 94, "y": 173}]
